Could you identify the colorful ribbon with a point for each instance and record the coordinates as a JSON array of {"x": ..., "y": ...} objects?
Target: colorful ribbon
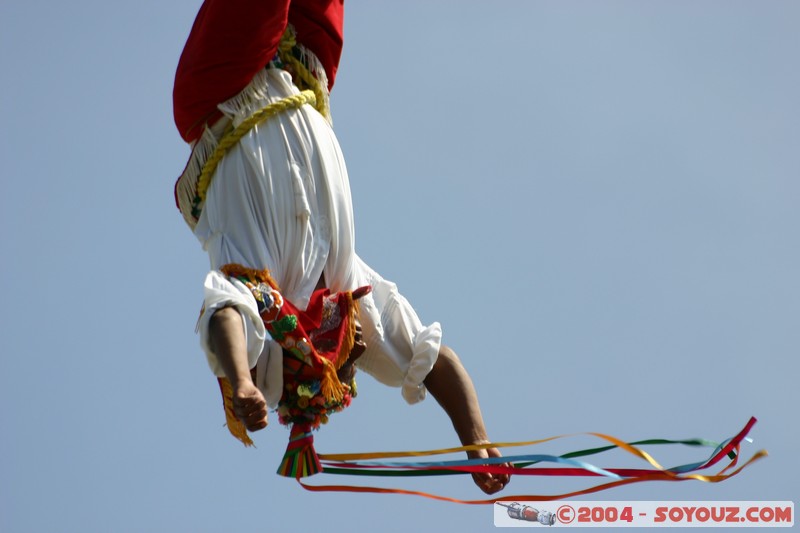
[{"x": 374, "y": 464}]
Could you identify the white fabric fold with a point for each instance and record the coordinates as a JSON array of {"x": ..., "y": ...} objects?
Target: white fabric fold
[
  {"x": 280, "y": 200},
  {"x": 426, "y": 351},
  {"x": 220, "y": 292},
  {"x": 400, "y": 350}
]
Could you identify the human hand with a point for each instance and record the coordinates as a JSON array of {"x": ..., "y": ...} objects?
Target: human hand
[
  {"x": 489, "y": 483},
  {"x": 249, "y": 406}
]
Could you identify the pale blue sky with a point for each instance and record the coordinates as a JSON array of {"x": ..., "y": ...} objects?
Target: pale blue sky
[{"x": 598, "y": 201}]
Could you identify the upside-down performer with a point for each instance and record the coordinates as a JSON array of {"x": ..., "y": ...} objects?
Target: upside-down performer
[{"x": 289, "y": 306}]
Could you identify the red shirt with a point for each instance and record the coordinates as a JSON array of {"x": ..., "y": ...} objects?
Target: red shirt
[{"x": 231, "y": 40}]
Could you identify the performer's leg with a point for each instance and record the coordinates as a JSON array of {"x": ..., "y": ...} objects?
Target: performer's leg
[{"x": 226, "y": 337}]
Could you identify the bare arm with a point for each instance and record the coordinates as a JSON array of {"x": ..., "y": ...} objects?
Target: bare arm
[{"x": 452, "y": 387}]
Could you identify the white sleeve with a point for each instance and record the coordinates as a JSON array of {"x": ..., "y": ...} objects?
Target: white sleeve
[
  {"x": 219, "y": 292},
  {"x": 401, "y": 351}
]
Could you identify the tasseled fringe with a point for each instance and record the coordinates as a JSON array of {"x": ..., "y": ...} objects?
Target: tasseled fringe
[
  {"x": 249, "y": 100},
  {"x": 300, "y": 459},
  {"x": 349, "y": 339},
  {"x": 235, "y": 270},
  {"x": 332, "y": 389},
  {"x": 235, "y": 426},
  {"x": 320, "y": 82},
  {"x": 186, "y": 187}
]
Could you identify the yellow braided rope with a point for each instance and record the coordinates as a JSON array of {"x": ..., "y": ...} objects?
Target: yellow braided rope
[
  {"x": 310, "y": 81},
  {"x": 231, "y": 137},
  {"x": 302, "y": 77}
]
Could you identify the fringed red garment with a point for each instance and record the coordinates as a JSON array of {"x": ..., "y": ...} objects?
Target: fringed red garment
[{"x": 316, "y": 343}]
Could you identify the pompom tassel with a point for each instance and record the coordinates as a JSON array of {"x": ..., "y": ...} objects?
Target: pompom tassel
[{"x": 300, "y": 459}]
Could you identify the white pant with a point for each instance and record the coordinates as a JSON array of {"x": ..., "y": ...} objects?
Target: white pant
[{"x": 280, "y": 200}]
